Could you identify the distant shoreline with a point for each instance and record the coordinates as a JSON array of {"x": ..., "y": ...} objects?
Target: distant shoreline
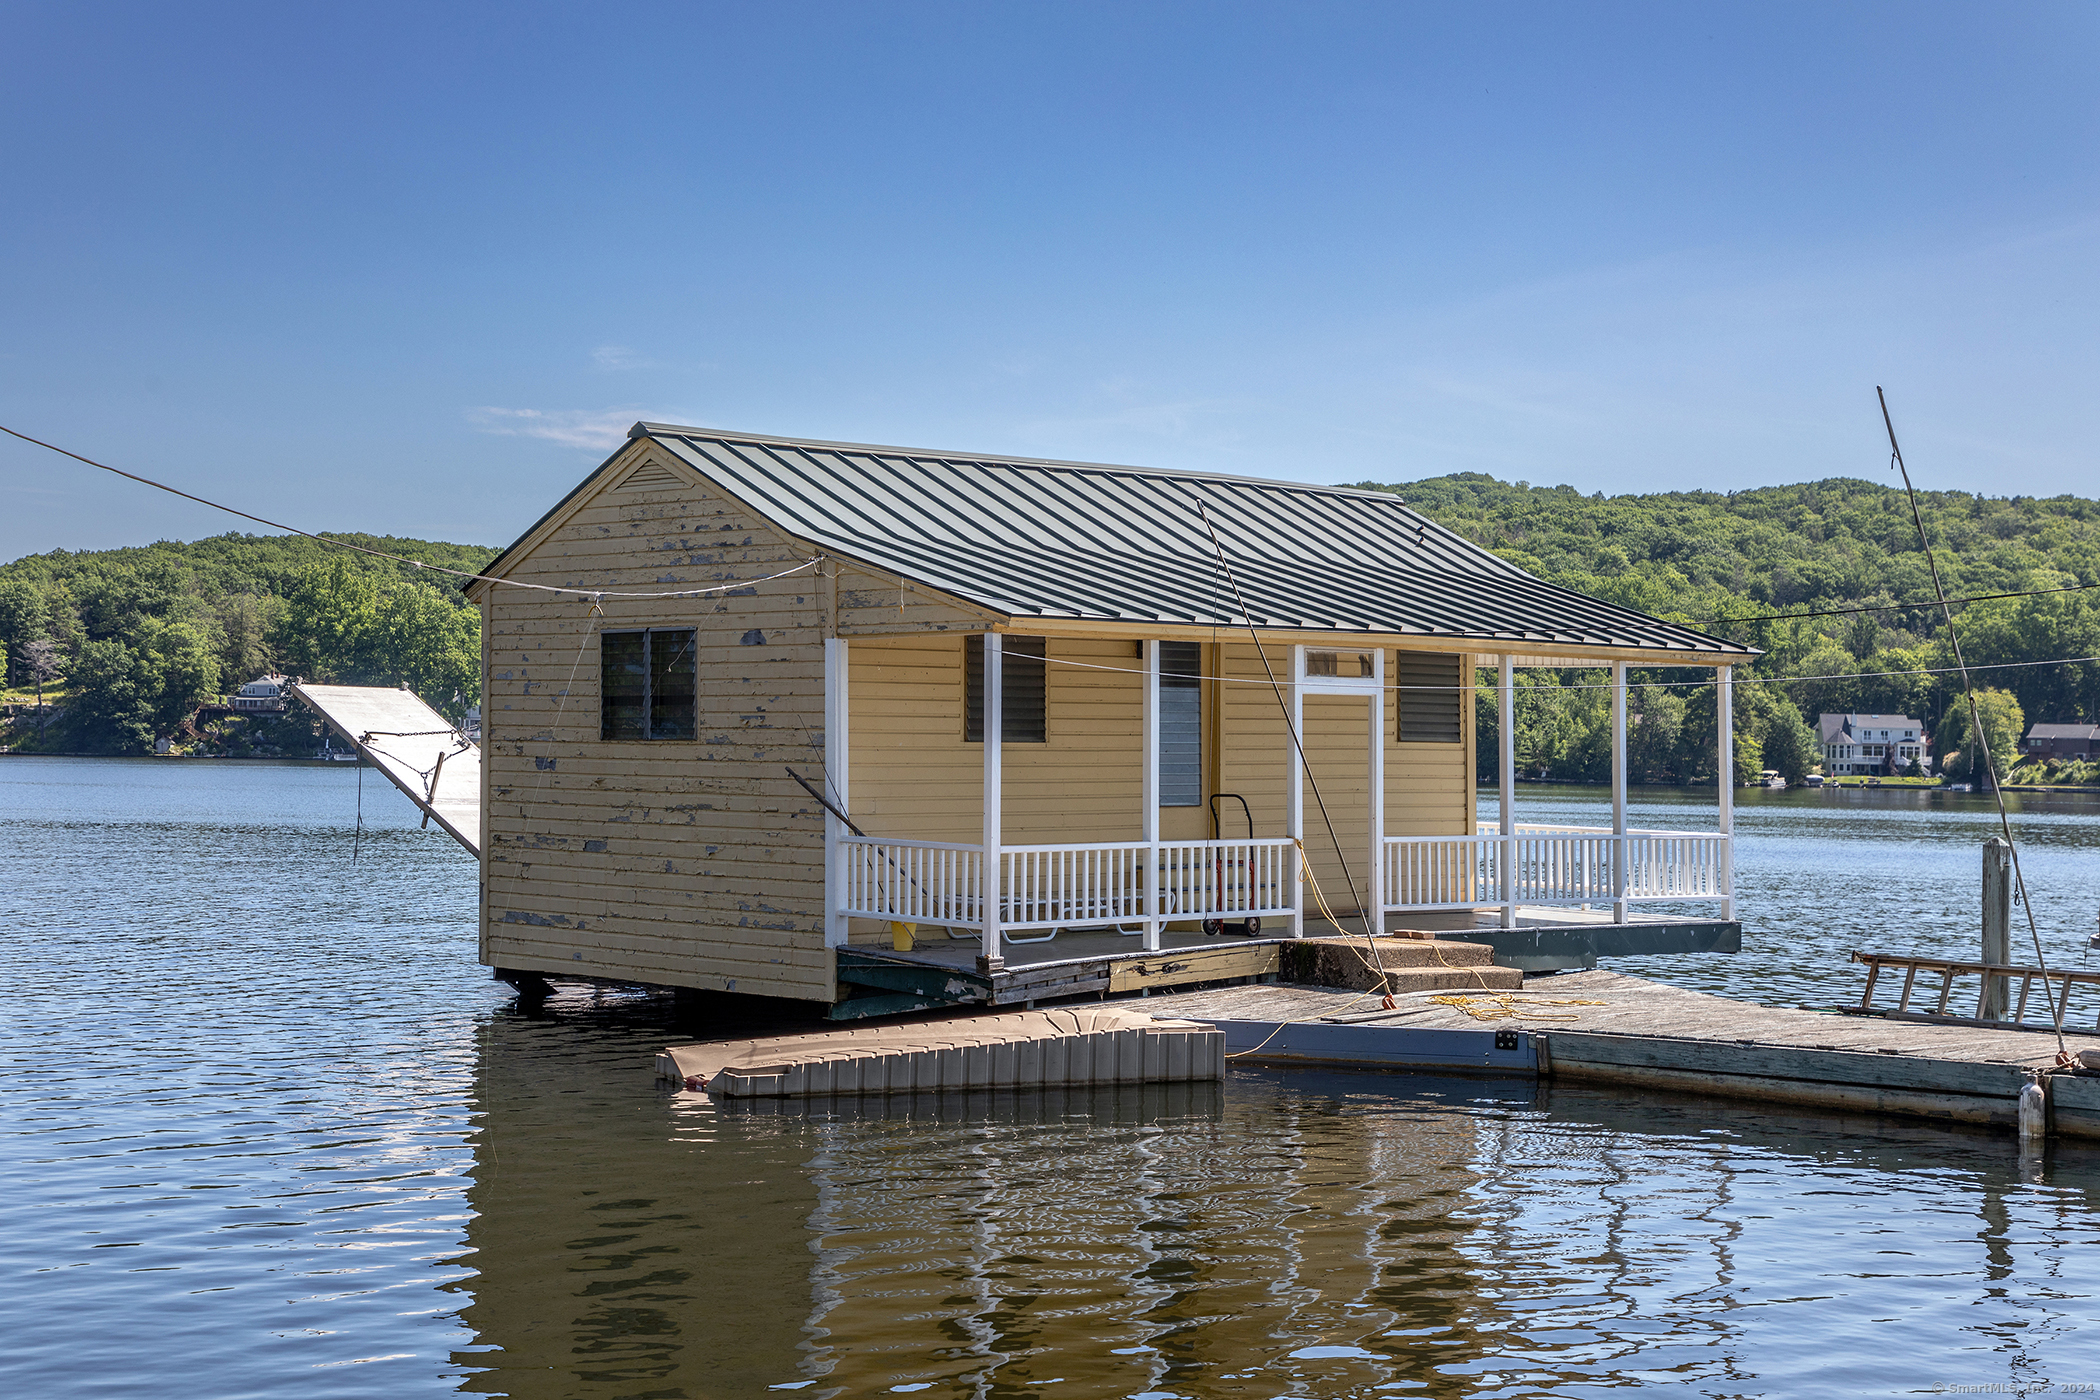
[{"x": 201, "y": 758}]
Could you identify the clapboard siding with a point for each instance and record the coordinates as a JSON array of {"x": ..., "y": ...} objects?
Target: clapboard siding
[
  {"x": 684, "y": 863},
  {"x": 914, "y": 777},
  {"x": 700, "y": 863}
]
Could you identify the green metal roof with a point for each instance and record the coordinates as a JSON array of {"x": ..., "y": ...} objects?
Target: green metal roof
[{"x": 1077, "y": 540}]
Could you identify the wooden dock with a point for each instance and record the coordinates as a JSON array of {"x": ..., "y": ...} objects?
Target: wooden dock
[{"x": 1609, "y": 1028}]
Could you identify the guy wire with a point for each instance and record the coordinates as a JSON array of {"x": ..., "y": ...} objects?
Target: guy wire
[
  {"x": 397, "y": 558},
  {"x": 1982, "y": 740}
]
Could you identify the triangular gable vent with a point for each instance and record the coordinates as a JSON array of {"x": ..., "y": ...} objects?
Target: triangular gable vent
[{"x": 649, "y": 476}]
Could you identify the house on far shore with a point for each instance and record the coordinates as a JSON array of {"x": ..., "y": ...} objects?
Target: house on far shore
[
  {"x": 263, "y": 695},
  {"x": 2062, "y": 741},
  {"x": 1883, "y": 745}
]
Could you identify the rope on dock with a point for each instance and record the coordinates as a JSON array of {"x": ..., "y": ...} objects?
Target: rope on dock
[{"x": 1504, "y": 1006}]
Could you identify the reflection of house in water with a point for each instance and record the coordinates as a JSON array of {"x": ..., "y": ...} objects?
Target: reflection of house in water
[
  {"x": 1147, "y": 1245},
  {"x": 1125, "y": 1238},
  {"x": 1301, "y": 1233},
  {"x": 621, "y": 1247}
]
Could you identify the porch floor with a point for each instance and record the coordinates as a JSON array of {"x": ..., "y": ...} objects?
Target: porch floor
[{"x": 1089, "y": 962}]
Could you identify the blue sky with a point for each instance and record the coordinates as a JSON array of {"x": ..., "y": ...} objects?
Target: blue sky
[{"x": 412, "y": 269}]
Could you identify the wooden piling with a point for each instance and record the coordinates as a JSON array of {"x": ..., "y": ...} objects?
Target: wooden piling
[{"x": 1997, "y": 926}]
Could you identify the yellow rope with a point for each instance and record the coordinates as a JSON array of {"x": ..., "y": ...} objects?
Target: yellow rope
[
  {"x": 1504, "y": 1006},
  {"x": 1381, "y": 990}
]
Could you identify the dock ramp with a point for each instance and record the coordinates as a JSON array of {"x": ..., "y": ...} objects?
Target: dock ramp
[{"x": 435, "y": 766}]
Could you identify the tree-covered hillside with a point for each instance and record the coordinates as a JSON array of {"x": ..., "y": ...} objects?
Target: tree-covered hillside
[
  {"x": 1721, "y": 562},
  {"x": 134, "y": 638},
  {"x": 132, "y": 641}
]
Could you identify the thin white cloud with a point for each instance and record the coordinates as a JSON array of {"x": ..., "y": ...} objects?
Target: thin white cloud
[
  {"x": 602, "y": 429},
  {"x": 617, "y": 357}
]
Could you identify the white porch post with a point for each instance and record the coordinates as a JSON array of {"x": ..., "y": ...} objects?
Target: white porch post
[
  {"x": 1724, "y": 772},
  {"x": 836, "y": 771},
  {"x": 1506, "y": 767},
  {"x": 994, "y": 727},
  {"x": 1618, "y": 792},
  {"x": 1152, "y": 874},
  {"x": 1294, "y": 809},
  {"x": 1374, "y": 888}
]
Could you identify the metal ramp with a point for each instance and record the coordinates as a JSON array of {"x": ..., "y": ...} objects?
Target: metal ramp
[{"x": 435, "y": 766}]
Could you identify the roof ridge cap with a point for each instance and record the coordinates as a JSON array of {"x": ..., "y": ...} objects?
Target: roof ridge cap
[{"x": 1005, "y": 459}]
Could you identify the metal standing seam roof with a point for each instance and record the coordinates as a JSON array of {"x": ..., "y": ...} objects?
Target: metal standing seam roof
[{"x": 1084, "y": 541}]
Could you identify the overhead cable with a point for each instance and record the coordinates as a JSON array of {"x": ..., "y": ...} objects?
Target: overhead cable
[
  {"x": 1631, "y": 685},
  {"x": 591, "y": 593},
  {"x": 1898, "y": 607}
]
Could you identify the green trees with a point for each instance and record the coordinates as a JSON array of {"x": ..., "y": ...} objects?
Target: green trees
[
  {"x": 344, "y": 624},
  {"x": 1564, "y": 729},
  {"x": 21, "y": 622},
  {"x": 1724, "y": 563},
  {"x": 1787, "y": 742},
  {"x": 109, "y": 713},
  {"x": 2003, "y": 724},
  {"x": 1721, "y": 562},
  {"x": 146, "y": 635}
]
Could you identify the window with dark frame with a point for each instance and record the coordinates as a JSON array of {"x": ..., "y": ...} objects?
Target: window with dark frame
[
  {"x": 1023, "y": 699},
  {"x": 1430, "y": 697},
  {"x": 1180, "y": 724},
  {"x": 648, "y": 684}
]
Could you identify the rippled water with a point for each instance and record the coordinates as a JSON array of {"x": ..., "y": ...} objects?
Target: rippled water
[{"x": 268, "y": 1131}]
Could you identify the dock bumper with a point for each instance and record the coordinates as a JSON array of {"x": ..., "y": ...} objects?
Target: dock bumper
[
  {"x": 1503, "y": 1050},
  {"x": 1562, "y": 947}
]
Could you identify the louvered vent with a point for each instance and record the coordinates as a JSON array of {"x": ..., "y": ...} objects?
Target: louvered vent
[
  {"x": 1430, "y": 690},
  {"x": 649, "y": 476}
]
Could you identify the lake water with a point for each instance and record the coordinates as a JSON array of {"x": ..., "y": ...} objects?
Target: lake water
[{"x": 269, "y": 1131}]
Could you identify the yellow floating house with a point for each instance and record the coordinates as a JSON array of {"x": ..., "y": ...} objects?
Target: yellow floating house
[{"x": 880, "y": 728}]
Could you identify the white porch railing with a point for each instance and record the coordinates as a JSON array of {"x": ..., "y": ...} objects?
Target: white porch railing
[
  {"x": 1552, "y": 865},
  {"x": 941, "y": 883},
  {"x": 1064, "y": 886},
  {"x": 921, "y": 882}
]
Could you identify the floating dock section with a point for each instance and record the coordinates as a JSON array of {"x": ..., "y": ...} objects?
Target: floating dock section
[
  {"x": 1012, "y": 1050},
  {"x": 1608, "y": 1028}
]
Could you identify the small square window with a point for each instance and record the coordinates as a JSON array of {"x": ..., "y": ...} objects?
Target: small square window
[{"x": 648, "y": 684}]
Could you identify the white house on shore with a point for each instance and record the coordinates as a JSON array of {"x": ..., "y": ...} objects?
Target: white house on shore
[
  {"x": 263, "y": 695},
  {"x": 1873, "y": 744}
]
